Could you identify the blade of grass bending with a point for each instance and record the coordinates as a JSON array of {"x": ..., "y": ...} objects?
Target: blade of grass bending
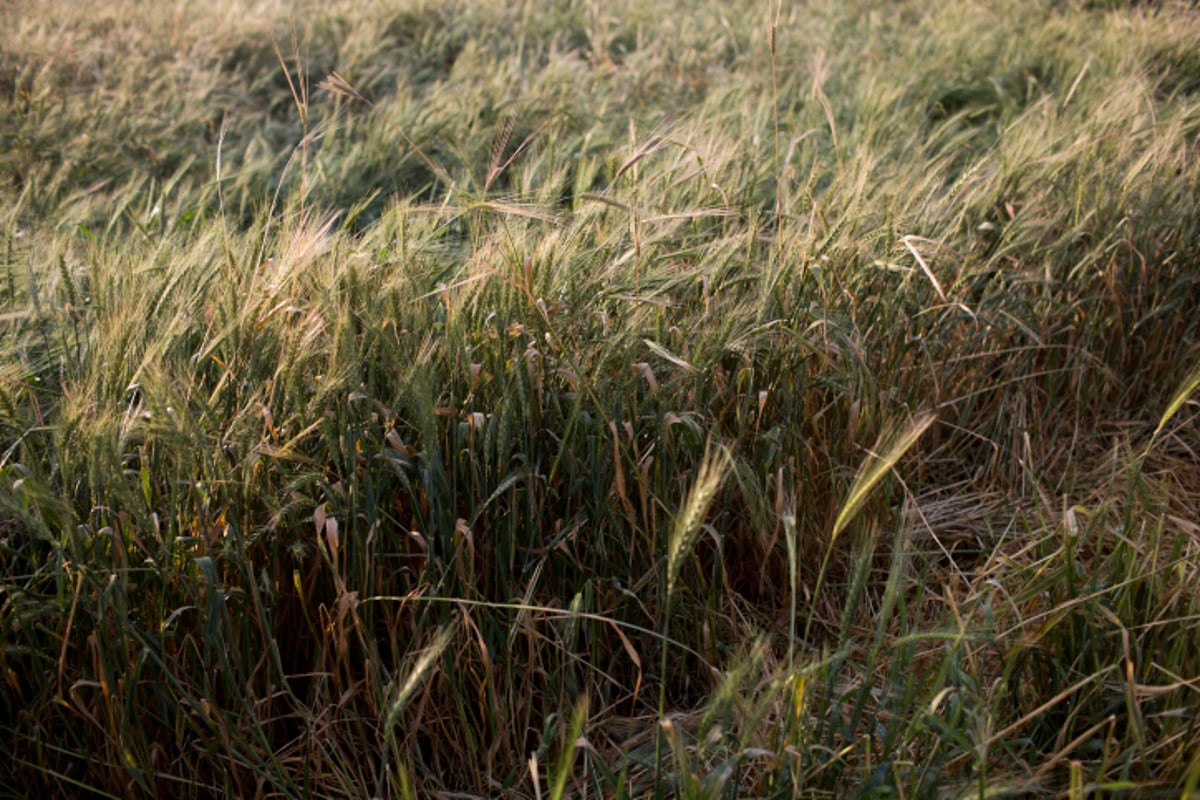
[
  {"x": 1181, "y": 396},
  {"x": 889, "y": 450},
  {"x": 551, "y": 612}
]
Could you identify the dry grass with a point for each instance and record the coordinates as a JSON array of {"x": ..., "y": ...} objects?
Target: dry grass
[{"x": 726, "y": 399}]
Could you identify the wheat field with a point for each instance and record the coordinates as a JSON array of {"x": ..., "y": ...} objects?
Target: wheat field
[{"x": 547, "y": 398}]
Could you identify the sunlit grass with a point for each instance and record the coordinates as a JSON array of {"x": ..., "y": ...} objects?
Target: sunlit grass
[{"x": 700, "y": 400}]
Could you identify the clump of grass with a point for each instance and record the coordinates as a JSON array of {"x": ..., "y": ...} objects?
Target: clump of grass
[{"x": 401, "y": 401}]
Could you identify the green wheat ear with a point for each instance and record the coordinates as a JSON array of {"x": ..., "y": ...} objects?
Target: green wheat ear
[
  {"x": 891, "y": 446},
  {"x": 424, "y": 665},
  {"x": 688, "y": 524},
  {"x": 1189, "y": 386}
]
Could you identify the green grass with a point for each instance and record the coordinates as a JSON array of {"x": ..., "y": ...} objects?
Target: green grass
[{"x": 703, "y": 400}]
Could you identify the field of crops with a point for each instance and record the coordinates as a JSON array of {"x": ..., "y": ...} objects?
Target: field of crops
[{"x": 549, "y": 398}]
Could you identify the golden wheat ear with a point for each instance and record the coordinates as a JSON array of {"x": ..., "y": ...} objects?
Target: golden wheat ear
[
  {"x": 689, "y": 523},
  {"x": 336, "y": 84}
]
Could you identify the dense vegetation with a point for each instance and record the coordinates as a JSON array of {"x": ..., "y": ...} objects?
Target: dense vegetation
[{"x": 705, "y": 399}]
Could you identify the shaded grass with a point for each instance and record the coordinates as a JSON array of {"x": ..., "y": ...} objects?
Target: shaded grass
[{"x": 356, "y": 445}]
